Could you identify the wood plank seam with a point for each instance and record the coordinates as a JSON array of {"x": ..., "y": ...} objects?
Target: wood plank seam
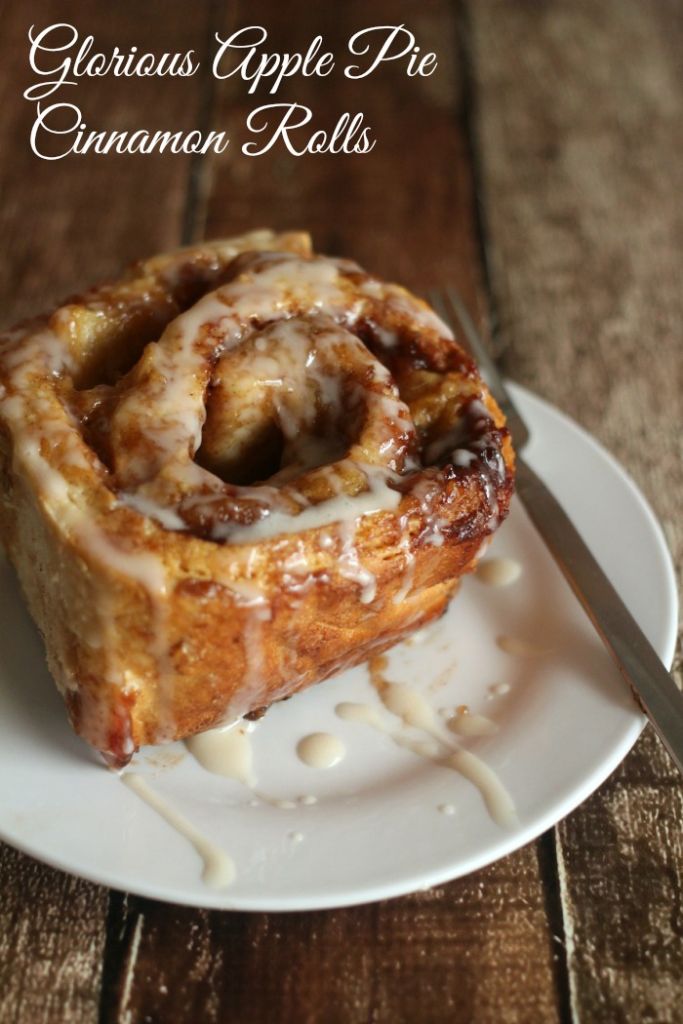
[
  {"x": 117, "y": 963},
  {"x": 568, "y": 925},
  {"x": 125, "y": 1014},
  {"x": 562, "y": 936}
]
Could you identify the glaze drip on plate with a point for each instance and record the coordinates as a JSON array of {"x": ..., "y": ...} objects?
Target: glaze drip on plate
[
  {"x": 408, "y": 704},
  {"x": 219, "y": 868}
]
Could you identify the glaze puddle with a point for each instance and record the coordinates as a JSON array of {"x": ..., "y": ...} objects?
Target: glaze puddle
[
  {"x": 226, "y": 751},
  {"x": 321, "y": 750}
]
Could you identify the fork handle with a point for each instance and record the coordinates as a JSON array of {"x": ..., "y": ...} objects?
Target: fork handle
[{"x": 652, "y": 686}]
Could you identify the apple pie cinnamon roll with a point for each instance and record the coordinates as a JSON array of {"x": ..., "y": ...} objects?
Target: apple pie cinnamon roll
[{"x": 232, "y": 473}]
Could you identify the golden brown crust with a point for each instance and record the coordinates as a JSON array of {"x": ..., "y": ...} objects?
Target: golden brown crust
[{"x": 173, "y": 591}]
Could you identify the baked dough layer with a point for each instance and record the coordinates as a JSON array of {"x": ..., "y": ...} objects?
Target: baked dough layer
[{"x": 232, "y": 473}]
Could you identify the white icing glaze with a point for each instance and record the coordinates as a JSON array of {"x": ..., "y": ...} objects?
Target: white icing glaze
[
  {"x": 320, "y": 750},
  {"x": 415, "y": 712},
  {"x": 418, "y": 638},
  {"x": 226, "y": 751},
  {"x": 305, "y": 365},
  {"x": 499, "y": 572},
  {"x": 166, "y": 517},
  {"x": 409, "y": 563},
  {"x": 343, "y": 510},
  {"x": 405, "y": 702},
  {"x": 463, "y": 458},
  {"x": 497, "y": 799},
  {"x": 255, "y": 667},
  {"x": 410, "y": 706},
  {"x": 349, "y": 564},
  {"x": 219, "y": 868},
  {"x": 282, "y": 803},
  {"x": 521, "y": 648},
  {"x": 477, "y": 409},
  {"x": 465, "y": 723},
  {"x": 351, "y": 711}
]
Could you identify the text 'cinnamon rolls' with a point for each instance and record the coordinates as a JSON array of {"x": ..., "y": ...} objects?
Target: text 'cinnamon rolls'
[{"x": 232, "y": 473}]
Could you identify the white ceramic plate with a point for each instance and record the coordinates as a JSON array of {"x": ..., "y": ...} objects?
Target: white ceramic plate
[{"x": 376, "y": 829}]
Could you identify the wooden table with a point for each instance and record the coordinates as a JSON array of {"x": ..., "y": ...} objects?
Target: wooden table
[{"x": 540, "y": 168}]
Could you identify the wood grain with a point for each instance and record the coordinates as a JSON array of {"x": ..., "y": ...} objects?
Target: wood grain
[
  {"x": 405, "y": 210},
  {"x": 580, "y": 113},
  {"x": 51, "y": 942},
  {"x": 468, "y": 951},
  {"x": 73, "y": 221}
]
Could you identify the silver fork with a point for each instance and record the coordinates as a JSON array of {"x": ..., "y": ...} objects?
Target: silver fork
[{"x": 653, "y": 688}]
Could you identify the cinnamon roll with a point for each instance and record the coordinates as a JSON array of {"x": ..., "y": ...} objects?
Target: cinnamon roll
[{"x": 230, "y": 474}]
